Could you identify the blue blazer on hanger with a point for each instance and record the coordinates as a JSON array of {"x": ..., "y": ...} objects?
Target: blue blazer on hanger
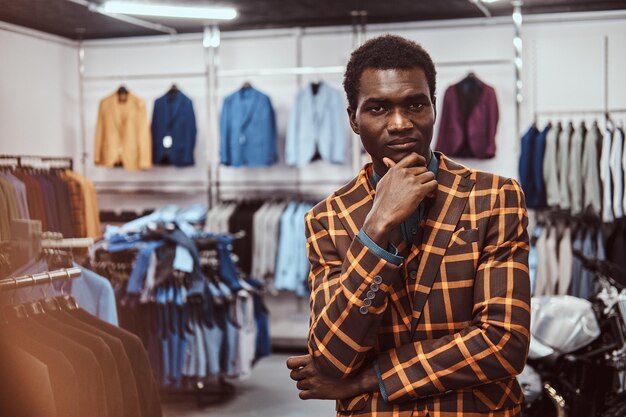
[
  {"x": 247, "y": 129},
  {"x": 317, "y": 122},
  {"x": 173, "y": 117}
]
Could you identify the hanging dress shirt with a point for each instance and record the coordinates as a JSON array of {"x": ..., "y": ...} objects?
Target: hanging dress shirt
[
  {"x": 617, "y": 174},
  {"x": 590, "y": 172},
  {"x": 551, "y": 166},
  {"x": 605, "y": 176},
  {"x": 564, "y": 167},
  {"x": 575, "y": 170}
]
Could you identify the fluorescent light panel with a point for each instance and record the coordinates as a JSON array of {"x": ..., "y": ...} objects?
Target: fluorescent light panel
[{"x": 184, "y": 12}]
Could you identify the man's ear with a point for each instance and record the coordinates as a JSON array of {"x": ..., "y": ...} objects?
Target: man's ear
[{"x": 352, "y": 118}]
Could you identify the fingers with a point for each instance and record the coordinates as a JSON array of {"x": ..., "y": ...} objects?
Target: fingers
[
  {"x": 431, "y": 187},
  {"x": 388, "y": 162},
  {"x": 411, "y": 160},
  {"x": 304, "y": 384},
  {"x": 295, "y": 362},
  {"x": 298, "y": 374}
]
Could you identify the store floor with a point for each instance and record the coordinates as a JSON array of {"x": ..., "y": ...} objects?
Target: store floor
[{"x": 268, "y": 393}]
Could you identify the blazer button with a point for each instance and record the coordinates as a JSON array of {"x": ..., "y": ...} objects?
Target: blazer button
[
  {"x": 367, "y": 302},
  {"x": 374, "y": 287},
  {"x": 363, "y": 310},
  {"x": 413, "y": 274},
  {"x": 378, "y": 279},
  {"x": 371, "y": 295}
]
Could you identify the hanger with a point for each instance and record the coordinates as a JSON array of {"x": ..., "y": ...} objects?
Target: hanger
[
  {"x": 315, "y": 86},
  {"x": 122, "y": 93},
  {"x": 246, "y": 85},
  {"x": 172, "y": 92}
]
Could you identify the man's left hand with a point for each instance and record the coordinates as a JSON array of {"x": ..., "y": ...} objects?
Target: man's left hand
[{"x": 315, "y": 385}]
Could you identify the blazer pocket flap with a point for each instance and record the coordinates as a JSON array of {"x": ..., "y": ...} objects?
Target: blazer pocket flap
[
  {"x": 463, "y": 237},
  {"x": 498, "y": 395},
  {"x": 353, "y": 404}
]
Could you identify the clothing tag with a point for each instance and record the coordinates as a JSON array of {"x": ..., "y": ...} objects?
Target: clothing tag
[{"x": 167, "y": 142}]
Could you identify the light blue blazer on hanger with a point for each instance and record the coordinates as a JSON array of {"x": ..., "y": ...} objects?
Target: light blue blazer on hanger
[
  {"x": 247, "y": 129},
  {"x": 317, "y": 122}
]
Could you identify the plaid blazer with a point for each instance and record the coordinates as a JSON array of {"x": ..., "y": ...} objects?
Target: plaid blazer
[{"x": 449, "y": 327}]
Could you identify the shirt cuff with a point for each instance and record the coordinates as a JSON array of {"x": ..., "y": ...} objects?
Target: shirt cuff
[
  {"x": 387, "y": 255},
  {"x": 381, "y": 386}
]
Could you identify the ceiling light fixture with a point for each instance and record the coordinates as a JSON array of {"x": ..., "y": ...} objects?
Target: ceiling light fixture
[{"x": 183, "y": 12}]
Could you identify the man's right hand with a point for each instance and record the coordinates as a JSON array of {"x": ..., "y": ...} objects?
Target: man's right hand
[{"x": 398, "y": 194}]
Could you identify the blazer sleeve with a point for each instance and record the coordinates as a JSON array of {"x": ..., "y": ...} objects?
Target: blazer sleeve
[
  {"x": 272, "y": 139},
  {"x": 192, "y": 132},
  {"x": 492, "y": 123},
  {"x": 343, "y": 330},
  {"x": 339, "y": 130},
  {"x": 224, "y": 136},
  {"x": 145, "y": 138},
  {"x": 495, "y": 344},
  {"x": 291, "y": 140},
  {"x": 100, "y": 132}
]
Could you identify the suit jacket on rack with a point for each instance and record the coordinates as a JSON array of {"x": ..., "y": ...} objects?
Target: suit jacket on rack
[
  {"x": 317, "y": 123},
  {"x": 247, "y": 129},
  {"x": 173, "y": 117},
  {"x": 469, "y": 120},
  {"x": 448, "y": 328},
  {"x": 123, "y": 134}
]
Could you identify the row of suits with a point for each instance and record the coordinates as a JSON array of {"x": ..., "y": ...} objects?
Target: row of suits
[
  {"x": 272, "y": 247},
  {"x": 67, "y": 362},
  {"x": 124, "y": 137},
  {"x": 63, "y": 200},
  {"x": 554, "y": 268},
  {"x": 575, "y": 168},
  {"x": 317, "y": 128}
]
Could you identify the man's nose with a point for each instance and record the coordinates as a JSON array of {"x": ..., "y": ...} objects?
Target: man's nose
[{"x": 399, "y": 122}]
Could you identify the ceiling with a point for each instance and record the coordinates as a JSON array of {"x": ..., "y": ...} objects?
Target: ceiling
[{"x": 75, "y": 21}]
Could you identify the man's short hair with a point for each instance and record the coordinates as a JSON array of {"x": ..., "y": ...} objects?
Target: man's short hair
[{"x": 386, "y": 52}]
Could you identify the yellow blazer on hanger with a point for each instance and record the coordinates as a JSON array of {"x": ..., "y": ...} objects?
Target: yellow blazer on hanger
[{"x": 123, "y": 134}]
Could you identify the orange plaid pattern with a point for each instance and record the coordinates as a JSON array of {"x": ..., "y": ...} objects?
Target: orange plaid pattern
[{"x": 449, "y": 327}]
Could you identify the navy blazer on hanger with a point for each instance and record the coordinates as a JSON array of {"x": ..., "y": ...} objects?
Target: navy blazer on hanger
[{"x": 173, "y": 116}]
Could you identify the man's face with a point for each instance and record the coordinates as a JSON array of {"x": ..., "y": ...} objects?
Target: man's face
[{"x": 394, "y": 114}]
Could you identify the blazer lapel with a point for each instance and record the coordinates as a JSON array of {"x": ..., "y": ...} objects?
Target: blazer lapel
[
  {"x": 352, "y": 206},
  {"x": 441, "y": 219}
]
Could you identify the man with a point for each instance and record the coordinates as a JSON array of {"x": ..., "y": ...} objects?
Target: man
[{"x": 419, "y": 266}]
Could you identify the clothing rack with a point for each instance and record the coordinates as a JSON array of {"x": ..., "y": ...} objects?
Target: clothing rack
[
  {"x": 41, "y": 278},
  {"x": 606, "y": 113},
  {"x": 72, "y": 243},
  {"x": 20, "y": 159}
]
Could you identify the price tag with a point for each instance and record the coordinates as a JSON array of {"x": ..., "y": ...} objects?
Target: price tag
[{"x": 167, "y": 142}]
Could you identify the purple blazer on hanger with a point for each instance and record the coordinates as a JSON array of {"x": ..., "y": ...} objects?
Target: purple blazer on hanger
[{"x": 469, "y": 120}]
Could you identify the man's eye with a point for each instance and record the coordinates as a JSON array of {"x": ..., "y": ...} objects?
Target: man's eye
[
  {"x": 416, "y": 106},
  {"x": 377, "y": 109}
]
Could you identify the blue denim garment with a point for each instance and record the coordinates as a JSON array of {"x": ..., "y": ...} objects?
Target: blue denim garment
[
  {"x": 263, "y": 341},
  {"x": 138, "y": 275},
  {"x": 228, "y": 271},
  {"x": 194, "y": 214}
]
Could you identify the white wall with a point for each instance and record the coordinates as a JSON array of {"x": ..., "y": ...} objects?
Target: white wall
[
  {"x": 38, "y": 94},
  {"x": 563, "y": 70}
]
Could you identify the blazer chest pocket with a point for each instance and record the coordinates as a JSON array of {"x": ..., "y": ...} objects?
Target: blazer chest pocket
[
  {"x": 463, "y": 237},
  {"x": 349, "y": 405}
]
